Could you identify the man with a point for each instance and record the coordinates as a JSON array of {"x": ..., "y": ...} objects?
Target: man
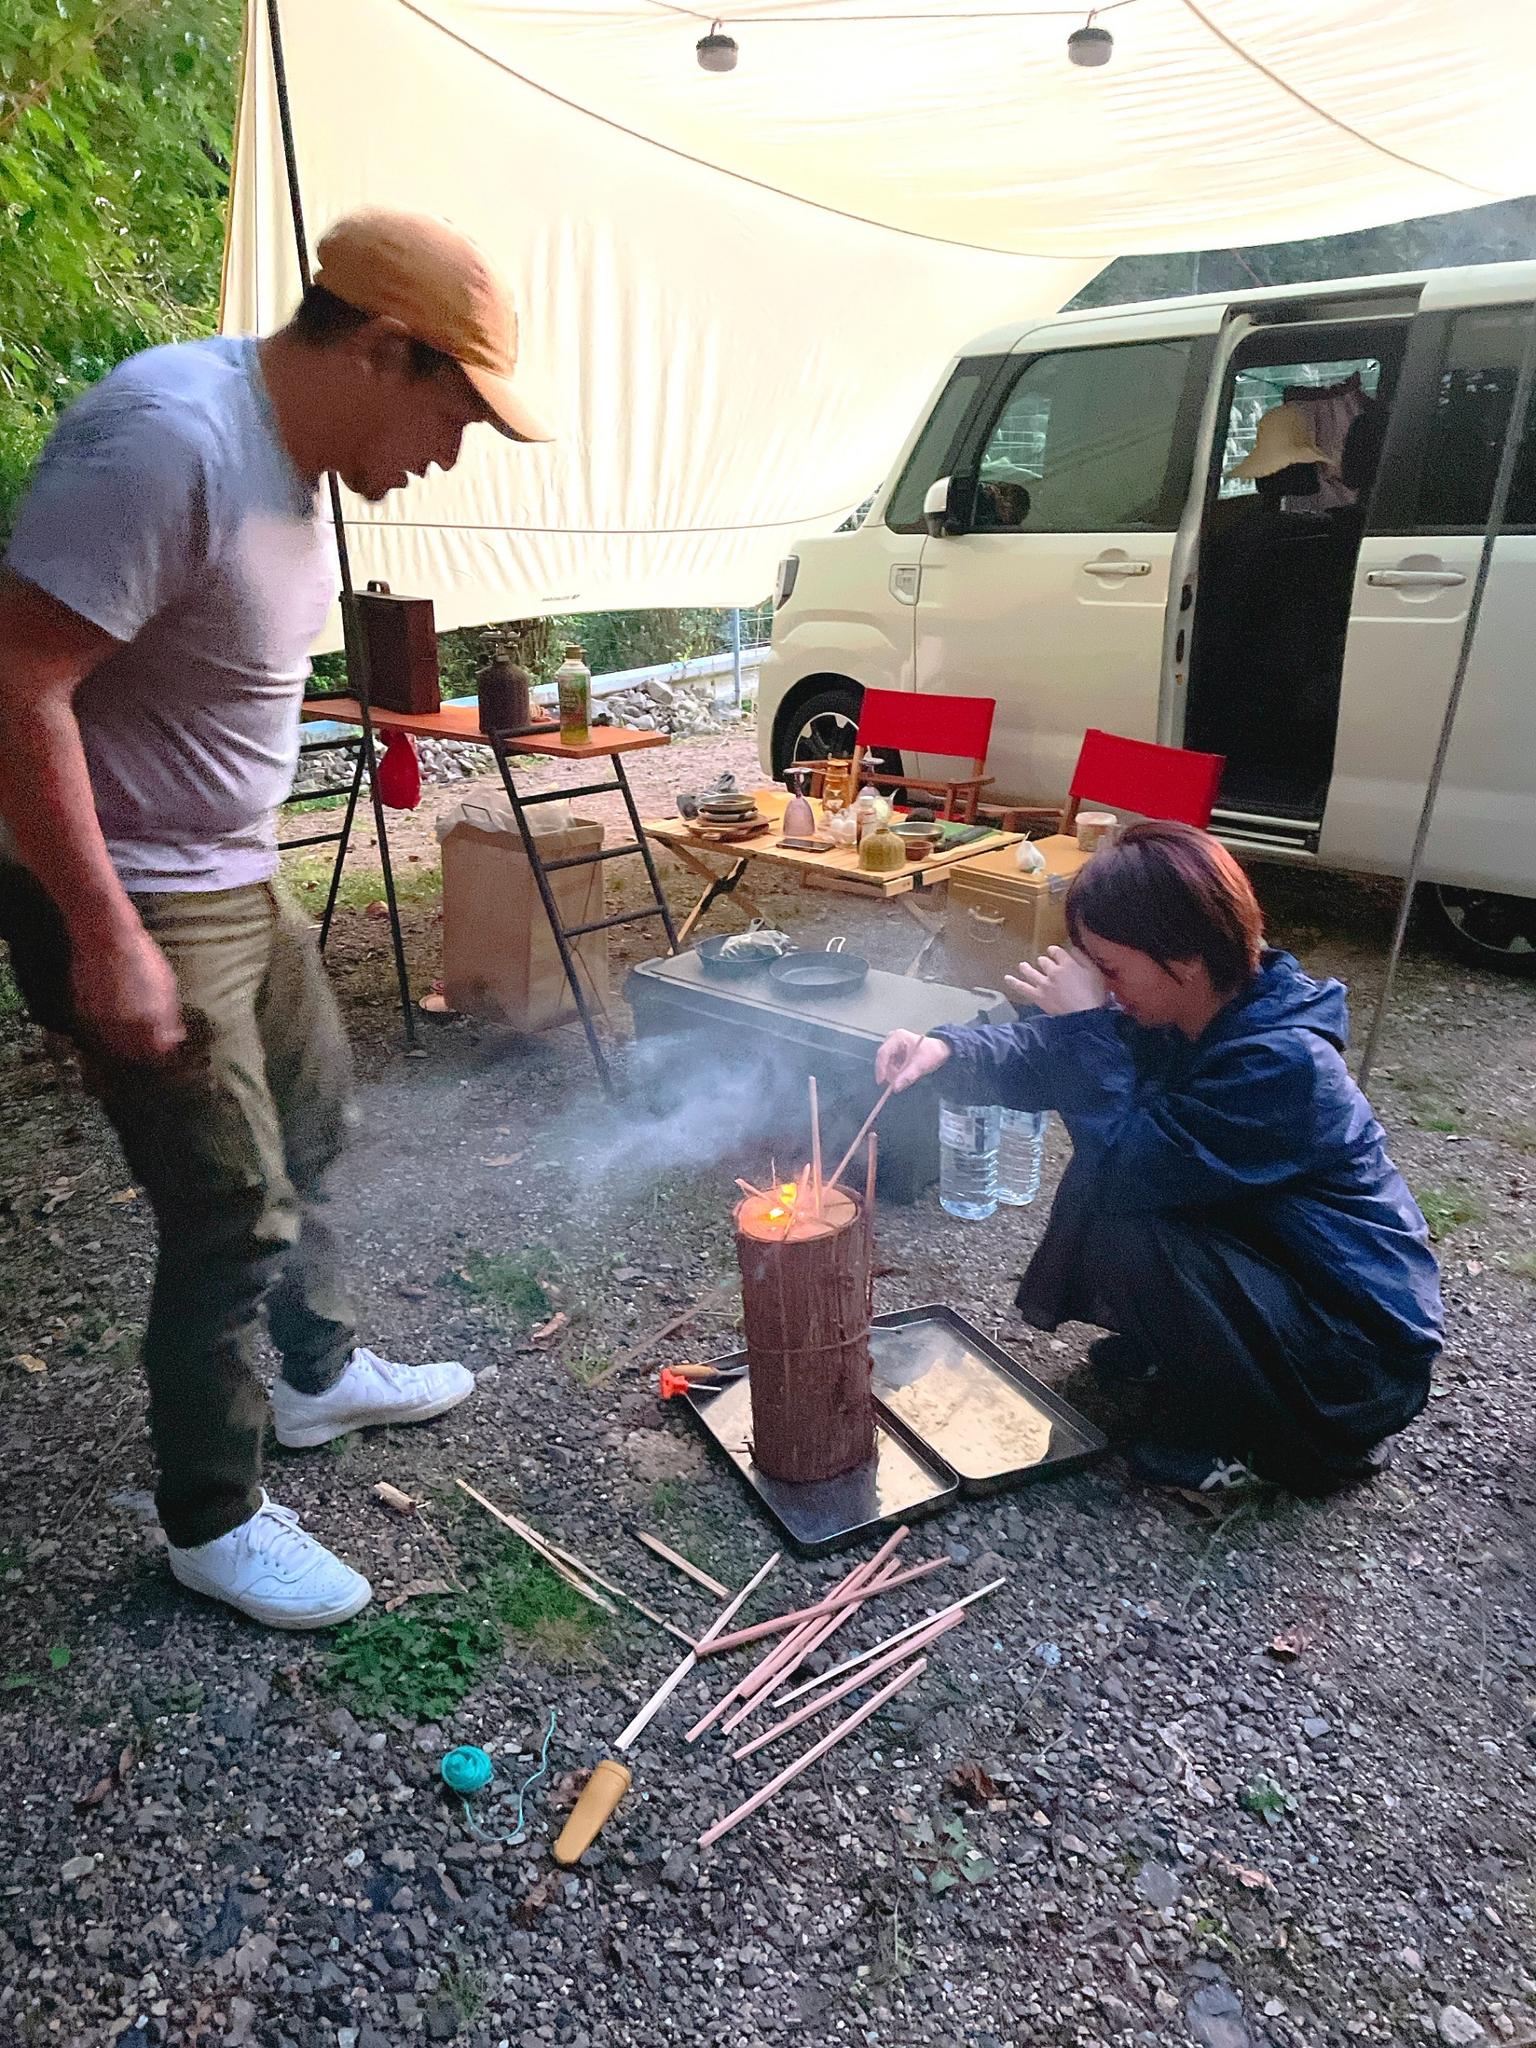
[{"x": 169, "y": 571}]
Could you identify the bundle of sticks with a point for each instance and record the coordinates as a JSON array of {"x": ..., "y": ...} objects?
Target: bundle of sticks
[{"x": 791, "y": 1638}]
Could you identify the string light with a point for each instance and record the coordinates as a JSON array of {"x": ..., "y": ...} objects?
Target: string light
[
  {"x": 1090, "y": 47},
  {"x": 717, "y": 51}
]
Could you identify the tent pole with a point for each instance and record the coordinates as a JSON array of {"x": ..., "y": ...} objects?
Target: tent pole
[
  {"x": 1519, "y": 405},
  {"x": 355, "y": 645}
]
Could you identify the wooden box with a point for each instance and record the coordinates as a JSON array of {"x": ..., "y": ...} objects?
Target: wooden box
[
  {"x": 995, "y": 916},
  {"x": 400, "y": 642}
]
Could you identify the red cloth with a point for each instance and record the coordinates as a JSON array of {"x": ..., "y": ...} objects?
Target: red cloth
[{"x": 400, "y": 774}]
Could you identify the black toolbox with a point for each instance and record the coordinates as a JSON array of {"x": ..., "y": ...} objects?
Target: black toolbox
[{"x": 768, "y": 1040}]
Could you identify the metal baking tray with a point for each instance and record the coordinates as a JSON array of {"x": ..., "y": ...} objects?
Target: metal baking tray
[
  {"x": 903, "y": 1482},
  {"x": 970, "y": 1405}
]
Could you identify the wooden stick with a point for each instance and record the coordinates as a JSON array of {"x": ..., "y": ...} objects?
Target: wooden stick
[
  {"x": 848, "y": 1598},
  {"x": 786, "y": 1658},
  {"x": 805, "y": 1642},
  {"x": 854, "y": 1576},
  {"x": 902, "y": 1635},
  {"x": 815, "y": 1146},
  {"x": 570, "y": 1578},
  {"x": 669, "y": 1685},
  {"x": 554, "y": 1554},
  {"x": 930, "y": 1634},
  {"x": 869, "y": 1178},
  {"x": 748, "y": 1189},
  {"x": 682, "y": 1564},
  {"x": 859, "y": 1136},
  {"x": 818, "y": 1750}
]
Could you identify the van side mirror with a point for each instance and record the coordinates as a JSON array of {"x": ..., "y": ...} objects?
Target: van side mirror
[{"x": 949, "y": 506}]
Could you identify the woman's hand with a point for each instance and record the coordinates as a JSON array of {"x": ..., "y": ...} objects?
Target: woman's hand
[
  {"x": 905, "y": 1058},
  {"x": 1059, "y": 983}
]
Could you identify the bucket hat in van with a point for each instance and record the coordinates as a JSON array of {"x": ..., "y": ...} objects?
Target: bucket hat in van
[{"x": 1283, "y": 439}]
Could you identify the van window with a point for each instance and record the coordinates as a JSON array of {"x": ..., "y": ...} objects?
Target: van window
[
  {"x": 934, "y": 454},
  {"x": 1332, "y": 398},
  {"x": 1469, "y": 411},
  {"x": 1085, "y": 443}
]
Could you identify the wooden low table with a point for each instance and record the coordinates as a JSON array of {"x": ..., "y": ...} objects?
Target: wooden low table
[
  {"x": 838, "y": 869},
  {"x": 460, "y": 725}
]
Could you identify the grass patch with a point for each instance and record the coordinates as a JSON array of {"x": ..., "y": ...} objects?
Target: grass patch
[
  {"x": 302, "y": 806},
  {"x": 667, "y": 1498},
  {"x": 588, "y": 1367},
  {"x": 1522, "y": 1265},
  {"x": 424, "y": 1659},
  {"x": 467, "y": 1989},
  {"x": 1521, "y": 1137},
  {"x": 514, "y": 1282},
  {"x": 1446, "y": 1209},
  {"x": 10, "y": 995},
  {"x": 308, "y": 876}
]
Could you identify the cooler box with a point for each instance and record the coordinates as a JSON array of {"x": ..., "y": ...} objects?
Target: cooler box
[
  {"x": 995, "y": 916},
  {"x": 500, "y": 960},
  {"x": 749, "y": 1047}
]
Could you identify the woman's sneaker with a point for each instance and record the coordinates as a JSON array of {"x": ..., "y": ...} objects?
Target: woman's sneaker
[
  {"x": 371, "y": 1392},
  {"x": 1192, "y": 1471},
  {"x": 273, "y": 1570}
]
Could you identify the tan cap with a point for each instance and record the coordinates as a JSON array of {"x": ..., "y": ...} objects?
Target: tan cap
[
  {"x": 1283, "y": 438},
  {"x": 416, "y": 269}
]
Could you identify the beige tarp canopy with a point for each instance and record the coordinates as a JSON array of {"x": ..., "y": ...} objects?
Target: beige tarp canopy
[{"x": 738, "y": 289}]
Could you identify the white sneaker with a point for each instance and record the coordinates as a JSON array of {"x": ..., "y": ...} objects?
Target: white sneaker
[
  {"x": 273, "y": 1570},
  {"x": 370, "y": 1391}
]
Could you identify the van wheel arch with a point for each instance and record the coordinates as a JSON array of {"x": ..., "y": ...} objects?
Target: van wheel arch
[{"x": 1483, "y": 926}]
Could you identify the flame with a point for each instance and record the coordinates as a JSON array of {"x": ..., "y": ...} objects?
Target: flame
[
  {"x": 775, "y": 1214},
  {"x": 788, "y": 1191}
]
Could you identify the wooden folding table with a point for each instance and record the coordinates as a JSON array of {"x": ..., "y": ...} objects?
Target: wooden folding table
[{"x": 459, "y": 723}]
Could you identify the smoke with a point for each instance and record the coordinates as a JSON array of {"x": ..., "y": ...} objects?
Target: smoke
[{"x": 686, "y": 1106}]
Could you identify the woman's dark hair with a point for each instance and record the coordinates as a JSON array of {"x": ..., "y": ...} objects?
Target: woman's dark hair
[
  {"x": 322, "y": 318},
  {"x": 1173, "y": 893}
]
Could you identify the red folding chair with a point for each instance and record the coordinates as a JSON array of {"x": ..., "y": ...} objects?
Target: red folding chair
[
  {"x": 1138, "y": 775},
  {"x": 955, "y": 728}
]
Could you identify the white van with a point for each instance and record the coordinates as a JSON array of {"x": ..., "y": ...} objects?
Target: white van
[{"x": 1103, "y": 519}]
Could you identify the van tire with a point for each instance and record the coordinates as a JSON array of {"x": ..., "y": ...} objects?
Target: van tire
[
  {"x": 820, "y": 725},
  {"x": 1483, "y": 926}
]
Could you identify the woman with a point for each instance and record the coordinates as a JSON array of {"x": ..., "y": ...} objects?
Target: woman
[{"x": 1230, "y": 1212}]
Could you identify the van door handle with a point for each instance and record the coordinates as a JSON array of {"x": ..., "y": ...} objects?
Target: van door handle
[
  {"x": 1117, "y": 565},
  {"x": 1414, "y": 579}
]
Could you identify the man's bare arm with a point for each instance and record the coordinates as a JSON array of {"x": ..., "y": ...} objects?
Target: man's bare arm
[{"x": 125, "y": 992}]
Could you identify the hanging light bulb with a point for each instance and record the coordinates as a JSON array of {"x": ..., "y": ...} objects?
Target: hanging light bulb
[
  {"x": 1088, "y": 46},
  {"x": 717, "y": 51}
]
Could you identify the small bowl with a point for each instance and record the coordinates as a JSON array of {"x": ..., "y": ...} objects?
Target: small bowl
[{"x": 917, "y": 840}]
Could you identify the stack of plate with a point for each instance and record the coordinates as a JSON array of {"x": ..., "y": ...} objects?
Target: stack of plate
[{"x": 740, "y": 809}]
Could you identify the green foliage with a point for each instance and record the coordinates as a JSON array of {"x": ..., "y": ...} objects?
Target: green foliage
[
  {"x": 944, "y": 1849},
  {"x": 10, "y": 994},
  {"x": 1448, "y": 1207},
  {"x": 1502, "y": 233},
  {"x": 115, "y": 127},
  {"x": 511, "y": 1281},
  {"x": 421, "y": 1661},
  {"x": 1269, "y": 1801}
]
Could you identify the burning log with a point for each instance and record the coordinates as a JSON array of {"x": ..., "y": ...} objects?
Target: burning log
[{"x": 806, "y": 1303}]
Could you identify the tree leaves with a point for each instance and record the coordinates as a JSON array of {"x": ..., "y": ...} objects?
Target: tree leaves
[{"x": 115, "y": 129}]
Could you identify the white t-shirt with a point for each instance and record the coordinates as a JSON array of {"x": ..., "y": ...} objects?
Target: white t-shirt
[{"x": 167, "y": 511}]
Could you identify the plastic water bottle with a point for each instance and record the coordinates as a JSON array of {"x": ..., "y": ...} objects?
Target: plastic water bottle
[
  {"x": 1020, "y": 1150},
  {"x": 968, "y": 1133}
]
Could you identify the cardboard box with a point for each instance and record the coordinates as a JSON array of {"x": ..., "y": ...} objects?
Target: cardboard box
[
  {"x": 995, "y": 916},
  {"x": 500, "y": 960}
]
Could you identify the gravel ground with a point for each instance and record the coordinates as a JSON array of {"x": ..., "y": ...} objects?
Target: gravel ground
[{"x": 1258, "y": 1778}]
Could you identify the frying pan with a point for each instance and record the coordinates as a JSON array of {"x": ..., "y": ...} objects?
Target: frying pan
[{"x": 819, "y": 974}]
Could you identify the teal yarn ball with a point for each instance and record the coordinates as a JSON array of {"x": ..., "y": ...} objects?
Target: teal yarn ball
[{"x": 467, "y": 1770}]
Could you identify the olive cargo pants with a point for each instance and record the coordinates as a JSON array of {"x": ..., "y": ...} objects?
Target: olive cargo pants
[{"x": 230, "y": 1141}]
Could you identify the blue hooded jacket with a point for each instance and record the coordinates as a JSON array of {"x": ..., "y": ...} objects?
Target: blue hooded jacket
[{"x": 1255, "y": 1128}]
